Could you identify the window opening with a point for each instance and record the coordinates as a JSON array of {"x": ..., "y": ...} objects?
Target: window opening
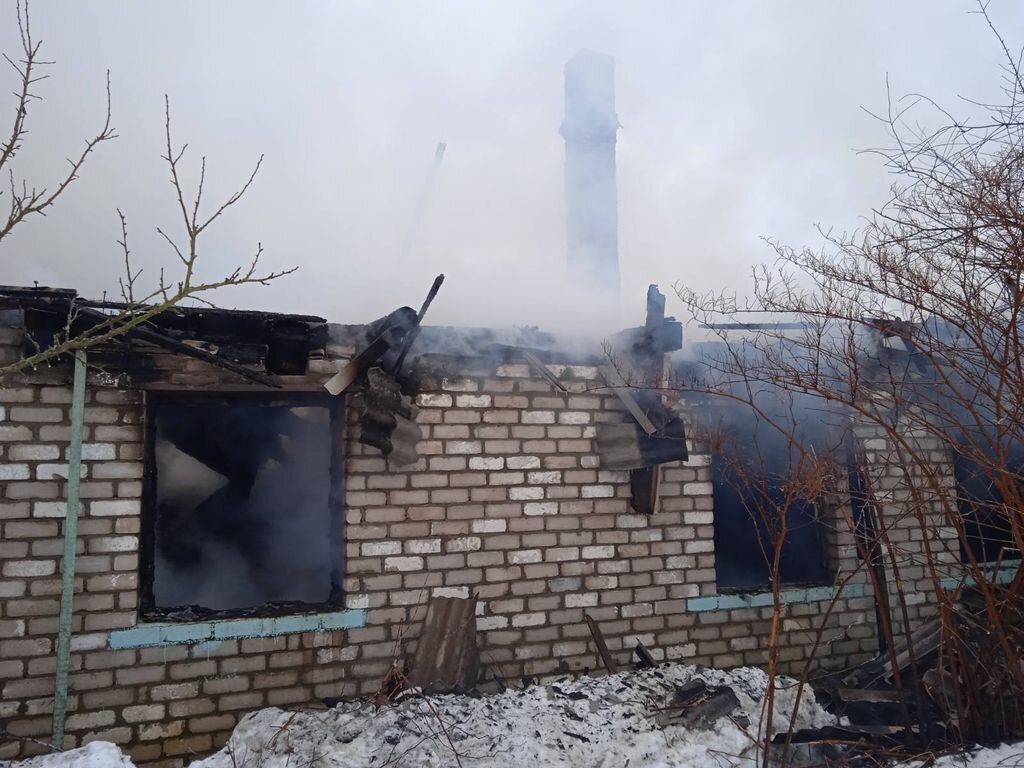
[
  {"x": 749, "y": 470},
  {"x": 243, "y": 504},
  {"x": 983, "y": 510}
]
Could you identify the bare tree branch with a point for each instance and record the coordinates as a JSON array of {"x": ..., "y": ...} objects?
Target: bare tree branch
[
  {"x": 910, "y": 333},
  {"x": 140, "y": 307}
]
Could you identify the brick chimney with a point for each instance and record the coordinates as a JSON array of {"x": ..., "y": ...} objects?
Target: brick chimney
[{"x": 591, "y": 200}]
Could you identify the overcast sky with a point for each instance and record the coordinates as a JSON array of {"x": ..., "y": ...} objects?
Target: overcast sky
[{"x": 740, "y": 120}]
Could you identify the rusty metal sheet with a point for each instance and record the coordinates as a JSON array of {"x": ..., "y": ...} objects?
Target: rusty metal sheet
[{"x": 447, "y": 654}]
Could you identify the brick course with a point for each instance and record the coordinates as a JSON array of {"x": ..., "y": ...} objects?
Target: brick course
[{"x": 507, "y": 501}]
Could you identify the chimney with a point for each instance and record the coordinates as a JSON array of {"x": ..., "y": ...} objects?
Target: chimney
[{"x": 591, "y": 201}]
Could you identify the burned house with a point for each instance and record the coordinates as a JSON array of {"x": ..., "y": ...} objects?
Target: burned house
[{"x": 267, "y": 504}]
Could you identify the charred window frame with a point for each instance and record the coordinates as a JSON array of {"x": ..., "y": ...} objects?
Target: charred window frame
[
  {"x": 245, "y": 424},
  {"x": 747, "y": 473},
  {"x": 983, "y": 510}
]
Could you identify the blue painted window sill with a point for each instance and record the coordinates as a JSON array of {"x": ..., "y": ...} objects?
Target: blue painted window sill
[
  {"x": 764, "y": 599},
  {"x": 174, "y": 633},
  {"x": 1006, "y": 573},
  {"x": 1007, "y": 570}
]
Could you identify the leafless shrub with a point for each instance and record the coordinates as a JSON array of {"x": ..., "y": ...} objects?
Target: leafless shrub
[
  {"x": 911, "y": 330},
  {"x": 26, "y": 201}
]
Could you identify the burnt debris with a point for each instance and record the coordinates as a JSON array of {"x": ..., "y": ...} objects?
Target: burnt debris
[
  {"x": 388, "y": 420},
  {"x": 656, "y": 434},
  {"x": 697, "y": 705},
  {"x": 256, "y": 346},
  {"x": 388, "y": 417}
]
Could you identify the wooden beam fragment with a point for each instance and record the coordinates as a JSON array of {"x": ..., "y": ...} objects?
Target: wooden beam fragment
[
  {"x": 602, "y": 646},
  {"x": 622, "y": 390},
  {"x": 646, "y": 660}
]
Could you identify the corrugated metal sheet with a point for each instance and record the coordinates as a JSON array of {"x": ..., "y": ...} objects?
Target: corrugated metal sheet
[
  {"x": 388, "y": 421},
  {"x": 447, "y": 653}
]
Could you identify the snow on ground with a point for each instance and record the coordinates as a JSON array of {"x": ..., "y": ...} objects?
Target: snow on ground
[
  {"x": 98, "y": 754},
  {"x": 1004, "y": 756},
  {"x": 594, "y": 722},
  {"x": 591, "y": 722}
]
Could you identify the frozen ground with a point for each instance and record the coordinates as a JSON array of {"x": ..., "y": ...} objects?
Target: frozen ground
[
  {"x": 593, "y": 722},
  {"x": 98, "y": 754},
  {"x": 1004, "y": 756},
  {"x": 587, "y": 723}
]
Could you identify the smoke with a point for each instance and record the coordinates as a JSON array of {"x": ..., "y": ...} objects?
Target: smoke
[
  {"x": 738, "y": 122},
  {"x": 255, "y": 529}
]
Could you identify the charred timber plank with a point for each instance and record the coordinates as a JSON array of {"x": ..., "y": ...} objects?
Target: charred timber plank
[
  {"x": 868, "y": 694},
  {"x": 542, "y": 369},
  {"x": 86, "y": 319},
  {"x": 344, "y": 378},
  {"x": 646, "y": 660},
  {"x": 649, "y": 340},
  {"x": 698, "y": 705},
  {"x": 160, "y": 340},
  {"x": 704, "y": 714},
  {"x": 622, "y": 390},
  {"x": 756, "y": 326},
  {"x": 921, "y": 645},
  {"x": 21, "y": 297},
  {"x": 602, "y": 647},
  {"x": 881, "y": 665},
  {"x": 288, "y": 384},
  {"x": 207, "y": 312},
  {"x": 690, "y": 692},
  {"x": 830, "y": 734}
]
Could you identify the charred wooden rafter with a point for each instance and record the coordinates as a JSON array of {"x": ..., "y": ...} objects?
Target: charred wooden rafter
[{"x": 235, "y": 340}]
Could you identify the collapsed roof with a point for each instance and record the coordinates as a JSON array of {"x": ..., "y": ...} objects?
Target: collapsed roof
[{"x": 387, "y": 360}]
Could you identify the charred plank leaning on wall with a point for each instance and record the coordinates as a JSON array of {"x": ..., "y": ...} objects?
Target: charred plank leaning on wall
[{"x": 655, "y": 433}]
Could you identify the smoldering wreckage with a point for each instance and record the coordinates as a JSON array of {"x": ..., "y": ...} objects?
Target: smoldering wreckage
[
  {"x": 427, "y": 708},
  {"x": 445, "y": 546},
  {"x": 252, "y": 447}
]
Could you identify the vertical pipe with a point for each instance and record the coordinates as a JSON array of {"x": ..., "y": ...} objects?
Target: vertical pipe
[
  {"x": 67, "y": 593},
  {"x": 421, "y": 204},
  {"x": 591, "y": 197}
]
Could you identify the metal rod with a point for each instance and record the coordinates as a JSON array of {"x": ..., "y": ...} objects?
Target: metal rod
[
  {"x": 67, "y": 593},
  {"x": 421, "y": 203},
  {"x": 411, "y": 337}
]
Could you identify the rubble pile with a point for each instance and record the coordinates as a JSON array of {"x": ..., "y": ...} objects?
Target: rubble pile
[
  {"x": 609, "y": 721},
  {"x": 671, "y": 715}
]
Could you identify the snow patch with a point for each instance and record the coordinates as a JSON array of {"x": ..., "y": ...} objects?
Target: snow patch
[
  {"x": 97, "y": 754},
  {"x": 599, "y": 722},
  {"x": 1004, "y": 756}
]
